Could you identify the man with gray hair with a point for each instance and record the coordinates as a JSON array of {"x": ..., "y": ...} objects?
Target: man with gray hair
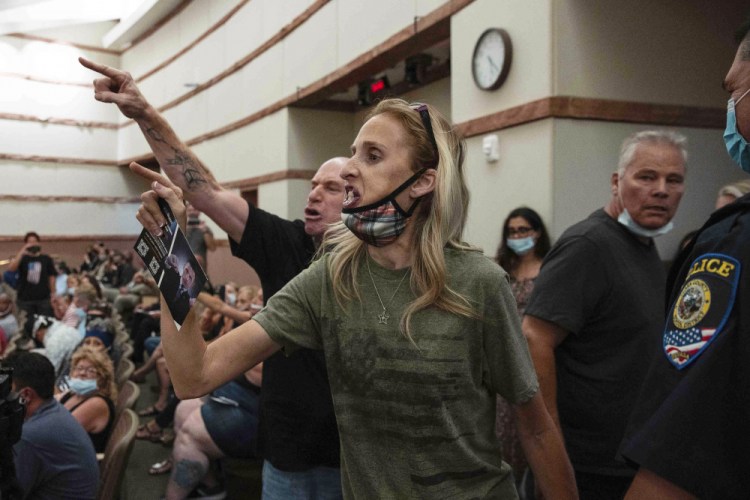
[{"x": 597, "y": 309}]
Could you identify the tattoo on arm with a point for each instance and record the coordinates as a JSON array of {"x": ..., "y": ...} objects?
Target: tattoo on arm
[
  {"x": 194, "y": 173},
  {"x": 188, "y": 473}
]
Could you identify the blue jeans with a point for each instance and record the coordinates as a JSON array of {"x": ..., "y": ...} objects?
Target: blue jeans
[{"x": 321, "y": 483}]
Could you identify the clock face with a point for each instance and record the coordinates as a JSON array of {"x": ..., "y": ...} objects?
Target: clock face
[{"x": 491, "y": 61}]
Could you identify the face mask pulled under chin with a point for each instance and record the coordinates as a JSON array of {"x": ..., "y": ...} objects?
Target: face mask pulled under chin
[
  {"x": 736, "y": 145},
  {"x": 626, "y": 220},
  {"x": 381, "y": 223}
]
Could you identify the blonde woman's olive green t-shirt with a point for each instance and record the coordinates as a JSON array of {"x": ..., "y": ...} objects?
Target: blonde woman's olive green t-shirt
[{"x": 415, "y": 421}]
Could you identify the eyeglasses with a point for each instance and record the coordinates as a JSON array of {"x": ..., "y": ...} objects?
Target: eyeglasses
[
  {"x": 424, "y": 114},
  {"x": 90, "y": 371},
  {"x": 519, "y": 231}
]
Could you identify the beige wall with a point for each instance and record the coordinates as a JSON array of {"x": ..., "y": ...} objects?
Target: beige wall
[
  {"x": 666, "y": 52},
  {"x": 522, "y": 176},
  {"x": 529, "y": 24},
  {"x": 677, "y": 54},
  {"x": 645, "y": 51}
]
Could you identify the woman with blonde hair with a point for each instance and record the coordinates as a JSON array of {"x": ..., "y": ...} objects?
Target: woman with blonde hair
[
  {"x": 91, "y": 394},
  {"x": 414, "y": 364}
]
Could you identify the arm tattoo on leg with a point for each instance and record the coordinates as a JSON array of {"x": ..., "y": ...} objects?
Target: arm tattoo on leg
[{"x": 188, "y": 473}]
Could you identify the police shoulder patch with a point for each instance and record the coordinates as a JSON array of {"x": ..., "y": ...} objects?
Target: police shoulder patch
[{"x": 702, "y": 307}]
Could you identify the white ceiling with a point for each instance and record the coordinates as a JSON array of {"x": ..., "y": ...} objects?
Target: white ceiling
[{"x": 132, "y": 17}]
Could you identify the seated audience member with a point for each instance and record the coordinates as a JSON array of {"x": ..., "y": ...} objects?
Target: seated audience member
[
  {"x": 8, "y": 320},
  {"x": 210, "y": 323},
  {"x": 143, "y": 325},
  {"x": 224, "y": 424},
  {"x": 90, "y": 279},
  {"x": 55, "y": 341},
  {"x": 234, "y": 313},
  {"x": 75, "y": 315},
  {"x": 199, "y": 236},
  {"x": 117, "y": 271},
  {"x": 60, "y": 306},
  {"x": 730, "y": 192},
  {"x": 61, "y": 281},
  {"x": 54, "y": 458},
  {"x": 91, "y": 394},
  {"x": 131, "y": 295},
  {"x": 73, "y": 282},
  {"x": 100, "y": 335}
]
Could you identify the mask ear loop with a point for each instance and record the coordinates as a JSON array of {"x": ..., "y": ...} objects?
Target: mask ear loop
[{"x": 741, "y": 97}]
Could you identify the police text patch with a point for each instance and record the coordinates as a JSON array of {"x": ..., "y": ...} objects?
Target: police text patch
[{"x": 702, "y": 307}]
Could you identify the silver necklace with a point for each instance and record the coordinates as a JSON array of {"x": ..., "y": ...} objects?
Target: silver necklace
[{"x": 383, "y": 316}]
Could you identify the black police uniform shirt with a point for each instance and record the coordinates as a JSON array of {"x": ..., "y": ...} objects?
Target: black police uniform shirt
[{"x": 691, "y": 425}]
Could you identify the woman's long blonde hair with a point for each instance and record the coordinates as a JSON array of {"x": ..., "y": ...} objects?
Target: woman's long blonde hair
[{"x": 438, "y": 220}]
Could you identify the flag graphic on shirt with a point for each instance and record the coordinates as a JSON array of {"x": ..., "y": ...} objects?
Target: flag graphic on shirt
[
  {"x": 681, "y": 345},
  {"x": 34, "y": 272}
]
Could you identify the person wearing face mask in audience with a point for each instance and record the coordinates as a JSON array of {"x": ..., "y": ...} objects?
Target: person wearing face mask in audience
[
  {"x": 8, "y": 321},
  {"x": 91, "y": 394},
  {"x": 36, "y": 279},
  {"x": 596, "y": 309},
  {"x": 54, "y": 459},
  {"x": 55, "y": 341},
  {"x": 523, "y": 245},
  {"x": 690, "y": 431}
]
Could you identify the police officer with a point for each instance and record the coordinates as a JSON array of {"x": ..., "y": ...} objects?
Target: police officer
[{"x": 690, "y": 433}]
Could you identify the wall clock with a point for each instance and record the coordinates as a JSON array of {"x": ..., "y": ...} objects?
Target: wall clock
[{"x": 490, "y": 63}]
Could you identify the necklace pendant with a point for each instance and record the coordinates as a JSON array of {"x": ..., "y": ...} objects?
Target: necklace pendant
[{"x": 383, "y": 317}]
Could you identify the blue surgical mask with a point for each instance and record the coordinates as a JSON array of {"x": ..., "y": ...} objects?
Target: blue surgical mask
[
  {"x": 626, "y": 220},
  {"x": 737, "y": 146},
  {"x": 521, "y": 246},
  {"x": 82, "y": 387}
]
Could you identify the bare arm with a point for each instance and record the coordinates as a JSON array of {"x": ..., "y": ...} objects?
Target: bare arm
[
  {"x": 177, "y": 161},
  {"x": 544, "y": 449},
  {"x": 197, "y": 368},
  {"x": 218, "y": 305},
  {"x": 543, "y": 338},
  {"x": 93, "y": 414},
  {"x": 194, "y": 366},
  {"x": 255, "y": 375},
  {"x": 16, "y": 261}
]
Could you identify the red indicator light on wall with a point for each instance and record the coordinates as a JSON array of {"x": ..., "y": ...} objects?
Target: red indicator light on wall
[{"x": 377, "y": 86}]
